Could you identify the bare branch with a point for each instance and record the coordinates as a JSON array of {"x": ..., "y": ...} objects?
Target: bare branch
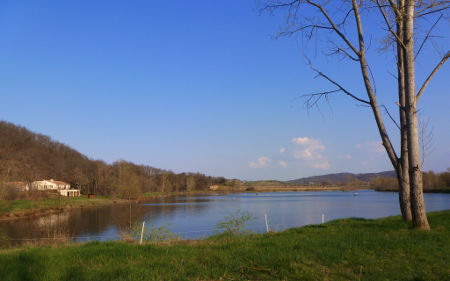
[
  {"x": 390, "y": 116},
  {"x": 400, "y": 41},
  {"x": 426, "y": 137},
  {"x": 338, "y": 50},
  {"x": 330, "y": 21},
  {"x": 279, "y": 5},
  {"x": 431, "y": 12},
  {"x": 426, "y": 10},
  {"x": 337, "y": 85},
  {"x": 425, "y": 84},
  {"x": 373, "y": 78},
  {"x": 311, "y": 26},
  {"x": 427, "y": 36},
  {"x": 313, "y": 99},
  {"x": 395, "y": 8},
  {"x": 373, "y": 100}
]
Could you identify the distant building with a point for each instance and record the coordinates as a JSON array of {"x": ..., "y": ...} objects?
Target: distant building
[
  {"x": 52, "y": 185},
  {"x": 214, "y": 187},
  {"x": 70, "y": 192}
]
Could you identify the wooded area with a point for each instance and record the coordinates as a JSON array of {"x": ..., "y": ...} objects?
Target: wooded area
[
  {"x": 432, "y": 182},
  {"x": 26, "y": 156}
]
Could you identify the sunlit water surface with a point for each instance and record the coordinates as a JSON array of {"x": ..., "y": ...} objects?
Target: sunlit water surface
[{"x": 197, "y": 216}]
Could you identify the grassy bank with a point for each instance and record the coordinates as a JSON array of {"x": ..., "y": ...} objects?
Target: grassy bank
[
  {"x": 11, "y": 210},
  {"x": 350, "y": 249},
  {"x": 27, "y": 208}
]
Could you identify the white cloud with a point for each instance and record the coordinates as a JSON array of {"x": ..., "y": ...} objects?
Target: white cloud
[
  {"x": 301, "y": 140},
  {"x": 308, "y": 148},
  {"x": 262, "y": 162},
  {"x": 282, "y": 150},
  {"x": 371, "y": 146},
  {"x": 311, "y": 150},
  {"x": 348, "y": 156},
  {"x": 321, "y": 165},
  {"x": 282, "y": 163}
]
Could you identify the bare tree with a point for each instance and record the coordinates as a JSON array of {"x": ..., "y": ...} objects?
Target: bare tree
[{"x": 313, "y": 18}]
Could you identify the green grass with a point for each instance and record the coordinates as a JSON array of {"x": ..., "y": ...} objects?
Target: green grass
[{"x": 349, "y": 249}]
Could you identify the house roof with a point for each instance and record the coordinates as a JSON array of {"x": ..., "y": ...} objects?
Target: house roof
[{"x": 57, "y": 182}]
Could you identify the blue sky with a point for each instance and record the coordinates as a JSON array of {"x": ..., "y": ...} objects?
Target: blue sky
[{"x": 197, "y": 86}]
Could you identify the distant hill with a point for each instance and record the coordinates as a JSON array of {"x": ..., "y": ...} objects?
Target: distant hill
[{"x": 343, "y": 177}]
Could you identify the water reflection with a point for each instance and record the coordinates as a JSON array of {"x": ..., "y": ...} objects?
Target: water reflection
[{"x": 197, "y": 216}]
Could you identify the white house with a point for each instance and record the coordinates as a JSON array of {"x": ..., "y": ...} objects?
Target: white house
[
  {"x": 70, "y": 192},
  {"x": 62, "y": 187}
]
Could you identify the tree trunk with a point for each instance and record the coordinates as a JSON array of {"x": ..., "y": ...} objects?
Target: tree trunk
[
  {"x": 403, "y": 170},
  {"x": 415, "y": 172}
]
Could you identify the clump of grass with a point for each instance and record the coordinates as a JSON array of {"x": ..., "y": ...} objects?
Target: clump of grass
[
  {"x": 152, "y": 233},
  {"x": 234, "y": 223}
]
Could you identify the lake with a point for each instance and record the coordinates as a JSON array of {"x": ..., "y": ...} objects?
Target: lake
[{"x": 197, "y": 216}]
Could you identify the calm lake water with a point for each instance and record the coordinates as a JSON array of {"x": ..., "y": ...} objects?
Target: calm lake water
[{"x": 197, "y": 216}]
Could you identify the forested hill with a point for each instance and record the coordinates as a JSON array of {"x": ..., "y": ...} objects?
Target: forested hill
[
  {"x": 343, "y": 177},
  {"x": 27, "y": 156}
]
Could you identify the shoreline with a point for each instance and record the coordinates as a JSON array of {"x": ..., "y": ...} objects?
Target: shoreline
[
  {"x": 42, "y": 211},
  {"x": 343, "y": 249},
  {"x": 83, "y": 202}
]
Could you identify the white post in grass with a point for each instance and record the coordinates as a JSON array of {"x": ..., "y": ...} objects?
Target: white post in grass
[
  {"x": 142, "y": 232},
  {"x": 267, "y": 224},
  {"x": 323, "y": 218}
]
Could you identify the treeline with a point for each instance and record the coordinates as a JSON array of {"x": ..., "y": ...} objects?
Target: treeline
[
  {"x": 26, "y": 156},
  {"x": 432, "y": 182},
  {"x": 350, "y": 182}
]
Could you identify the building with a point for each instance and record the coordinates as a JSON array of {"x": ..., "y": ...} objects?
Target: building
[
  {"x": 52, "y": 185},
  {"x": 70, "y": 192}
]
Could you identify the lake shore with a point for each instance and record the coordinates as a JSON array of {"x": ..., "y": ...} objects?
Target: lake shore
[
  {"x": 346, "y": 249},
  {"x": 29, "y": 209},
  {"x": 15, "y": 210}
]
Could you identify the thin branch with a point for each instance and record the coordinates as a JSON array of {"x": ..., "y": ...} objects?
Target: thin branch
[
  {"x": 276, "y": 6},
  {"x": 400, "y": 41},
  {"x": 339, "y": 50},
  {"x": 426, "y": 137},
  {"x": 395, "y": 8},
  {"x": 337, "y": 85},
  {"x": 427, "y": 36},
  {"x": 313, "y": 99},
  {"x": 312, "y": 26},
  {"x": 421, "y": 12},
  {"x": 431, "y": 12},
  {"x": 330, "y": 21},
  {"x": 425, "y": 84},
  {"x": 373, "y": 78},
  {"x": 390, "y": 116},
  {"x": 345, "y": 18}
]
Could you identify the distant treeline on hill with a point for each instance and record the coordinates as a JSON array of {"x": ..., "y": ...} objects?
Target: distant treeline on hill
[
  {"x": 383, "y": 181},
  {"x": 26, "y": 156},
  {"x": 432, "y": 182}
]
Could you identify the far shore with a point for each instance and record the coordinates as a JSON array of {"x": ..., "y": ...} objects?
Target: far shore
[{"x": 29, "y": 209}]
